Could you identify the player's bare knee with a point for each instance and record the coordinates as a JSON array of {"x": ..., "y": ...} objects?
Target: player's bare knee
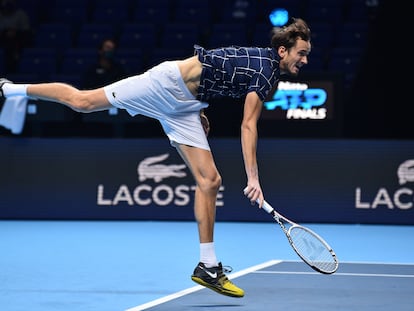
[
  {"x": 81, "y": 102},
  {"x": 211, "y": 183}
]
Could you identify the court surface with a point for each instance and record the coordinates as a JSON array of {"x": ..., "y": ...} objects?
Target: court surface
[
  {"x": 279, "y": 285},
  {"x": 146, "y": 265}
]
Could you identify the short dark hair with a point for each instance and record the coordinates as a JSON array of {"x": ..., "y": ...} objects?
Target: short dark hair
[{"x": 287, "y": 35}]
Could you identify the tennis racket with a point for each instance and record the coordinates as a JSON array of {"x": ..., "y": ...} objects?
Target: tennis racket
[{"x": 309, "y": 246}]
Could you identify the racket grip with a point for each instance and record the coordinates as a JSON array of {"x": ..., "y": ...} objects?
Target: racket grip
[{"x": 267, "y": 207}]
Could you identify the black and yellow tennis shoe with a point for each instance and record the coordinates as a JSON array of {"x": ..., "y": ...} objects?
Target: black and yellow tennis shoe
[{"x": 215, "y": 279}]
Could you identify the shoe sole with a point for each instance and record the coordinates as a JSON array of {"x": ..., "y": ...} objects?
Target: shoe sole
[{"x": 218, "y": 290}]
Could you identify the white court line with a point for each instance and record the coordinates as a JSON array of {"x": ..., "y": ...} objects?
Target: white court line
[
  {"x": 388, "y": 263},
  {"x": 349, "y": 274},
  {"x": 199, "y": 287},
  {"x": 340, "y": 274}
]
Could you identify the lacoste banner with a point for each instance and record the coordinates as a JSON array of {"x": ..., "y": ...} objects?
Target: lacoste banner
[{"x": 308, "y": 180}]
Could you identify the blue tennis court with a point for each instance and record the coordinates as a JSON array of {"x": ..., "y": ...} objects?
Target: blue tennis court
[
  {"x": 279, "y": 285},
  {"x": 146, "y": 265}
]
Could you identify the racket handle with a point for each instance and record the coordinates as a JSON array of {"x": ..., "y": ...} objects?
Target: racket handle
[{"x": 267, "y": 207}]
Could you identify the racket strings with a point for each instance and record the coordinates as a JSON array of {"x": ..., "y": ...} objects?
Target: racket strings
[{"x": 313, "y": 250}]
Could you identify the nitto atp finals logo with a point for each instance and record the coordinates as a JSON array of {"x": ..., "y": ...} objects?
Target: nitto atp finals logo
[{"x": 299, "y": 101}]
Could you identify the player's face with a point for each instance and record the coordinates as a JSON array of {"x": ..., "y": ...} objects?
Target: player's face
[{"x": 292, "y": 60}]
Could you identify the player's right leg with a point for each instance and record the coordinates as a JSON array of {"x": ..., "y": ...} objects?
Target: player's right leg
[{"x": 208, "y": 181}]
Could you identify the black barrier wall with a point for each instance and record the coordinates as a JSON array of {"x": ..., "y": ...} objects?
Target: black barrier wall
[{"x": 322, "y": 181}]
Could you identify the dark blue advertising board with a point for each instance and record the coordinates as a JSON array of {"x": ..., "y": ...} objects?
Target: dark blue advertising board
[{"x": 307, "y": 180}]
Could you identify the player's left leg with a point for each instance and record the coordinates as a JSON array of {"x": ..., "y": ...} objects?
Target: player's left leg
[{"x": 78, "y": 100}]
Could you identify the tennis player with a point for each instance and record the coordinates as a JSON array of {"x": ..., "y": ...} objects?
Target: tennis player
[{"x": 175, "y": 93}]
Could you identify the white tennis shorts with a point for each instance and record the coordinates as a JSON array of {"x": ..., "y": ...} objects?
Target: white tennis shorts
[{"x": 161, "y": 93}]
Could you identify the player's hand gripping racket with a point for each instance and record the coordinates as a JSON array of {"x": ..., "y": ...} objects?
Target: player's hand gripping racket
[{"x": 310, "y": 247}]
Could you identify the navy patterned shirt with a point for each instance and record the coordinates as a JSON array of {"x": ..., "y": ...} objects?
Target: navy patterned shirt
[{"x": 235, "y": 71}]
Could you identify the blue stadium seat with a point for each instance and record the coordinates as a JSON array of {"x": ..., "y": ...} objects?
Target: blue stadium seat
[
  {"x": 223, "y": 34},
  {"x": 352, "y": 33},
  {"x": 353, "y": 51},
  {"x": 195, "y": 12},
  {"x": 325, "y": 10},
  {"x": 92, "y": 34},
  {"x": 76, "y": 60},
  {"x": 359, "y": 10},
  {"x": 261, "y": 35},
  {"x": 345, "y": 61},
  {"x": 132, "y": 59},
  {"x": 110, "y": 15},
  {"x": 57, "y": 35},
  {"x": 43, "y": 66},
  {"x": 75, "y": 65},
  {"x": 42, "y": 52},
  {"x": 138, "y": 35},
  {"x": 149, "y": 11},
  {"x": 179, "y": 34},
  {"x": 72, "y": 14},
  {"x": 323, "y": 34},
  {"x": 238, "y": 12}
]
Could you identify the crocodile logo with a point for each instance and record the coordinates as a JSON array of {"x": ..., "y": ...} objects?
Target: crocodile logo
[
  {"x": 150, "y": 168},
  {"x": 406, "y": 172}
]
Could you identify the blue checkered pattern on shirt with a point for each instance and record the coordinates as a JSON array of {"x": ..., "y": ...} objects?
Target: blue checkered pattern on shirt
[{"x": 235, "y": 71}]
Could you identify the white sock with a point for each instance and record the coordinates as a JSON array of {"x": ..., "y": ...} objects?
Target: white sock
[
  {"x": 10, "y": 89},
  {"x": 208, "y": 255}
]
